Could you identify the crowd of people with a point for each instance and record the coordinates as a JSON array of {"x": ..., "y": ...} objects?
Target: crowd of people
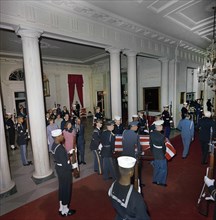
[{"x": 66, "y": 138}]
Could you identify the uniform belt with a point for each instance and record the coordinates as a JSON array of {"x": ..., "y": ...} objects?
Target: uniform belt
[
  {"x": 106, "y": 146},
  {"x": 59, "y": 164},
  {"x": 159, "y": 147}
]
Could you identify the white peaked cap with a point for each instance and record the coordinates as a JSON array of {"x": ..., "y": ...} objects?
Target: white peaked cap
[
  {"x": 159, "y": 122},
  {"x": 56, "y": 133},
  {"x": 117, "y": 118},
  {"x": 185, "y": 103},
  {"x": 126, "y": 162},
  {"x": 207, "y": 114},
  {"x": 8, "y": 113},
  {"x": 135, "y": 116}
]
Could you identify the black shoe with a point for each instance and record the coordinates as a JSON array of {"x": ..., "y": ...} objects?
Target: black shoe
[
  {"x": 184, "y": 157},
  {"x": 84, "y": 162},
  {"x": 26, "y": 164},
  {"x": 70, "y": 212},
  {"x": 30, "y": 163},
  {"x": 79, "y": 163},
  {"x": 142, "y": 185},
  {"x": 204, "y": 163},
  {"x": 154, "y": 182},
  {"x": 161, "y": 184}
]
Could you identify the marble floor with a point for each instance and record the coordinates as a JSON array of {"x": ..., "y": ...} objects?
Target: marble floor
[{"x": 27, "y": 190}]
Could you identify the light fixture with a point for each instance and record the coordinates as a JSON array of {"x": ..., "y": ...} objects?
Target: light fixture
[{"x": 208, "y": 72}]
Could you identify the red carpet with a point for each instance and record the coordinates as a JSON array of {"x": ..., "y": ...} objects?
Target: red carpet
[{"x": 175, "y": 202}]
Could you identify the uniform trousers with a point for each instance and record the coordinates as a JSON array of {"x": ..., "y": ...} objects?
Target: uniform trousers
[
  {"x": 23, "y": 154},
  {"x": 81, "y": 151},
  {"x": 65, "y": 185},
  {"x": 108, "y": 168},
  {"x": 97, "y": 162},
  {"x": 205, "y": 150},
  {"x": 167, "y": 132},
  {"x": 160, "y": 171}
]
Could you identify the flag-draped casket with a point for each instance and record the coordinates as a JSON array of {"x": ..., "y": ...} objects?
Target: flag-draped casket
[{"x": 144, "y": 142}]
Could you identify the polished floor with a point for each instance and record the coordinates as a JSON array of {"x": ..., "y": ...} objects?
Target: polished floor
[{"x": 27, "y": 190}]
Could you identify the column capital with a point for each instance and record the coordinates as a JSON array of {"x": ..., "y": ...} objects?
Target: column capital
[
  {"x": 113, "y": 50},
  {"x": 27, "y": 32},
  {"x": 164, "y": 59},
  {"x": 130, "y": 53}
]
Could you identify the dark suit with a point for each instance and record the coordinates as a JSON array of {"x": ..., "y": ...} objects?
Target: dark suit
[{"x": 80, "y": 142}]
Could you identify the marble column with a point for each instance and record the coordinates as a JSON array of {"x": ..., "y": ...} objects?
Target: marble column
[
  {"x": 132, "y": 83},
  {"x": 164, "y": 82},
  {"x": 35, "y": 103},
  {"x": 7, "y": 185},
  {"x": 115, "y": 78},
  {"x": 172, "y": 90}
]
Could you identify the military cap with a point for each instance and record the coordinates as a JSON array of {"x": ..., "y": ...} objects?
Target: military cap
[{"x": 126, "y": 162}]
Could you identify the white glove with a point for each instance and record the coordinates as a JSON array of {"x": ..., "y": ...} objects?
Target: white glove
[{"x": 209, "y": 182}]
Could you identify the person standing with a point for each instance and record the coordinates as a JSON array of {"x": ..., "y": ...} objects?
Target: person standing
[
  {"x": 49, "y": 128},
  {"x": 94, "y": 146},
  {"x": 209, "y": 105},
  {"x": 127, "y": 202},
  {"x": 118, "y": 126},
  {"x": 80, "y": 139},
  {"x": 77, "y": 106},
  {"x": 22, "y": 138},
  {"x": 58, "y": 120},
  {"x": 158, "y": 149},
  {"x": 108, "y": 146},
  {"x": 184, "y": 110},
  {"x": 186, "y": 126},
  {"x": 204, "y": 127},
  {"x": 142, "y": 126},
  {"x": 166, "y": 118},
  {"x": 10, "y": 126},
  {"x": 64, "y": 171}
]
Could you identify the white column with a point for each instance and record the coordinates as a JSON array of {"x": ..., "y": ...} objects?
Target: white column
[
  {"x": 164, "y": 82},
  {"x": 7, "y": 185},
  {"x": 35, "y": 101},
  {"x": 132, "y": 83},
  {"x": 196, "y": 85},
  {"x": 115, "y": 78},
  {"x": 172, "y": 90}
]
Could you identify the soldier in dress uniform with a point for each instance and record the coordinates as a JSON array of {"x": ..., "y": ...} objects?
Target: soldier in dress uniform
[
  {"x": 10, "y": 126},
  {"x": 158, "y": 149},
  {"x": 131, "y": 146},
  {"x": 64, "y": 171},
  {"x": 167, "y": 118},
  {"x": 22, "y": 139},
  {"x": 94, "y": 146},
  {"x": 184, "y": 110},
  {"x": 204, "y": 126},
  {"x": 131, "y": 141},
  {"x": 118, "y": 126},
  {"x": 108, "y": 146},
  {"x": 127, "y": 202},
  {"x": 142, "y": 127}
]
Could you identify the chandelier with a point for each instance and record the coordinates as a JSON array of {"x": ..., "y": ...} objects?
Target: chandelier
[{"x": 208, "y": 72}]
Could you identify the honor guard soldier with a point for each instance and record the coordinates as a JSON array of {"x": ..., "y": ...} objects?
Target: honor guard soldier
[
  {"x": 94, "y": 146},
  {"x": 64, "y": 171},
  {"x": 108, "y": 146},
  {"x": 142, "y": 126},
  {"x": 158, "y": 149},
  {"x": 184, "y": 110},
  {"x": 167, "y": 118},
  {"x": 127, "y": 202},
  {"x": 118, "y": 126},
  {"x": 131, "y": 141},
  {"x": 10, "y": 126}
]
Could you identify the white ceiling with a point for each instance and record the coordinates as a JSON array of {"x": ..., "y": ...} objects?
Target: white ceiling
[{"x": 188, "y": 21}]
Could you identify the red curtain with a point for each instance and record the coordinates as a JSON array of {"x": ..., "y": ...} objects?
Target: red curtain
[{"x": 78, "y": 80}]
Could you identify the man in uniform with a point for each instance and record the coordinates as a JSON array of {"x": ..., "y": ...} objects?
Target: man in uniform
[
  {"x": 118, "y": 126},
  {"x": 108, "y": 146},
  {"x": 94, "y": 146},
  {"x": 131, "y": 146},
  {"x": 64, "y": 171},
  {"x": 127, "y": 202},
  {"x": 204, "y": 126},
  {"x": 10, "y": 126},
  {"x": 184, "y": 110},
  {"x": 158, "y": 149},
  {"x": 142, "y": 126},
  {"x": 166, "y": 117}
]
